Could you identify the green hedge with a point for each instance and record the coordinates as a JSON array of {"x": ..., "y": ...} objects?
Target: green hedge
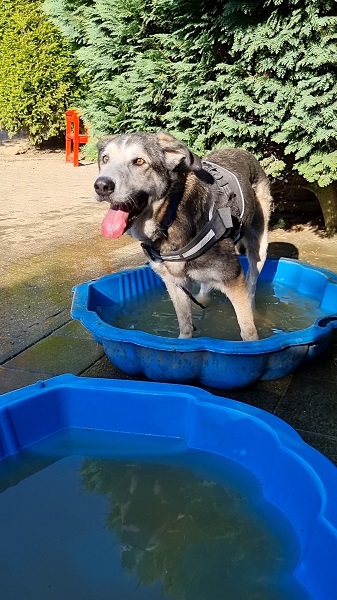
[
  {"x": 38, "y": 75},
  {"x": 259, "y": 74}
]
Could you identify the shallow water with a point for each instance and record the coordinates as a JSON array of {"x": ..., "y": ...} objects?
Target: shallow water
[
  {"x": 82, "y": 518},
  {"x": 279, "y": 308}
]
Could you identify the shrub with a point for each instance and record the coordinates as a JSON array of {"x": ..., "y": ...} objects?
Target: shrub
[{"x": 38, "y": 74}]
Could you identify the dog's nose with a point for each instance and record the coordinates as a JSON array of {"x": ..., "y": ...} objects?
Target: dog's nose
[{"x": 104, "y": 186}]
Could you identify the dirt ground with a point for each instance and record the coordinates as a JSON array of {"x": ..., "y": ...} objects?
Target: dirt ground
[{"x": 45, "y": 201}]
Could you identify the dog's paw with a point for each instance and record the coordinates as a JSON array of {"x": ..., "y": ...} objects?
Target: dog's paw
[
  {"x": 185, "y": 336},
  {"x": 250, "y": 335}
]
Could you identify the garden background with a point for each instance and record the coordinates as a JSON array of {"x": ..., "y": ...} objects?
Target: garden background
[{"x": 258, "y": 74}]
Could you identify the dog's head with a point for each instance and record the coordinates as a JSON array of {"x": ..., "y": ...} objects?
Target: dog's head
[{"x": 138, "y": 169}]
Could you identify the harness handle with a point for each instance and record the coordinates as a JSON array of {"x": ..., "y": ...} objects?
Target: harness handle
[{"x": 218, "y": 227}]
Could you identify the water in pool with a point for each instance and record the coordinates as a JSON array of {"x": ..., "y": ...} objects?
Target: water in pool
[
  {"x": 279, "y": 308},
  {"x": 82, "y": 518}
]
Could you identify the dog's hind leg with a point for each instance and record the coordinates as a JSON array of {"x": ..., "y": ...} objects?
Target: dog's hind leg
[
  {"x": 236, "y": 292},
  {"x": 182, "y": 306}
]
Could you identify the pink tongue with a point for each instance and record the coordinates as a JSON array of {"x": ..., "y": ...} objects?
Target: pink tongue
[{"x": 114, "y": 223}]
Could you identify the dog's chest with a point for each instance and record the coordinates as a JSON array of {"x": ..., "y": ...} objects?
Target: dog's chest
[
  {"x": 170, "y": 271},
  {"x": 146, "y": 227}
]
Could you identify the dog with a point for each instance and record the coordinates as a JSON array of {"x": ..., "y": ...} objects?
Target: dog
[{"x": 189, "y": 214}]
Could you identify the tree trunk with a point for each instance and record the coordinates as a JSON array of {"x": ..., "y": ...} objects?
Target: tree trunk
[{"x": 327, "y": 197}]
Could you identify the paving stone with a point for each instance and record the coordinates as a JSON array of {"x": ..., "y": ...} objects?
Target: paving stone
[
  {"x": 324, "y": 444},
  {"x": 324, "y": 367},
  {"x": 264, "y": 394},
  {"x": 12, "y": 379},
  {"x": 56, "y": 355},
  {"x": 310, "y": 405},
  {"x": 105, "y": 369},
  {"x": 31, "y": 309},
  {"x": 22, "y": 337},
  {"x": 74, "y": 329}
]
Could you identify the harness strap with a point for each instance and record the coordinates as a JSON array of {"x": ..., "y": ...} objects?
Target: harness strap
[
  {"x": 220, "y": 224},
  {"x": 191, "y": 297}
]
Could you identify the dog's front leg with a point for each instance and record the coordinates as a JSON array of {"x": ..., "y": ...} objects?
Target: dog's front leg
[
  {"x": 182, "y": 306},
  {"x": 237, "y": 293}
]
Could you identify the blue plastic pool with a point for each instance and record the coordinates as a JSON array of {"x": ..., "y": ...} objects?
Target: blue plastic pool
[
  {"x": 212, "y": 362},
  {"x": 294, "y": 477}
]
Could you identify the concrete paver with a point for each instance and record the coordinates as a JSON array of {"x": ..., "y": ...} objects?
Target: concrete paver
[
  {"x": 56, "y": 355},
  {"x": 14, "y": 379}
]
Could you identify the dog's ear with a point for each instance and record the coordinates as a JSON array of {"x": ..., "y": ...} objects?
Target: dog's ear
[{"x": 177, "y": 155}]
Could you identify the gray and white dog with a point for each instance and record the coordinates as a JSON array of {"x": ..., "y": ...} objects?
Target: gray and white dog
[{"x": 189, "y": 214}]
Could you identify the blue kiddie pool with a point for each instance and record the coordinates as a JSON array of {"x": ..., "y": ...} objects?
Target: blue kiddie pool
[
  {"x": 296, "y": 313},
  {"x": 156, "y": 491}
]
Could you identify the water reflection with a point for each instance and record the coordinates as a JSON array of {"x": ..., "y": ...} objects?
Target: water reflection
[{"x": 201, "y": 540}]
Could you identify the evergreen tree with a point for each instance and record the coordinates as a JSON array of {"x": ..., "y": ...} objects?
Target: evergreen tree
[
  {"x": 258, "y": 74},
  {"x": 279, "y": 94},
  {"x": 149, "y": 61}
]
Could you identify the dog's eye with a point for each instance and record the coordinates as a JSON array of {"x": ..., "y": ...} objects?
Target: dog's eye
[
  {"x": 139, "y": 162},
  {"x": 105, "y": 158}
]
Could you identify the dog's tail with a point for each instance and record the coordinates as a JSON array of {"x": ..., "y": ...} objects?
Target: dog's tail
[{"x": 263, "y": 194}]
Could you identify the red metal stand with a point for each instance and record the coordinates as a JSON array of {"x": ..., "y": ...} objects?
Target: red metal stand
[{"x": 73, "y": 136}]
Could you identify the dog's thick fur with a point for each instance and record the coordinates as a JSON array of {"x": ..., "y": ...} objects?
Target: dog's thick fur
[{"x": 144, "y": 188}]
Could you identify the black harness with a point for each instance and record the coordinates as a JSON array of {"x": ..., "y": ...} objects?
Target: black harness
[{"x": 225, "y": 219}]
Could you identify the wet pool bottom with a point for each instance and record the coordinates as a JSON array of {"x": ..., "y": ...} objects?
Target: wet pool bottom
[
  {"x": 95, "y": 515},
  {"x": 279, "y": 308}
]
